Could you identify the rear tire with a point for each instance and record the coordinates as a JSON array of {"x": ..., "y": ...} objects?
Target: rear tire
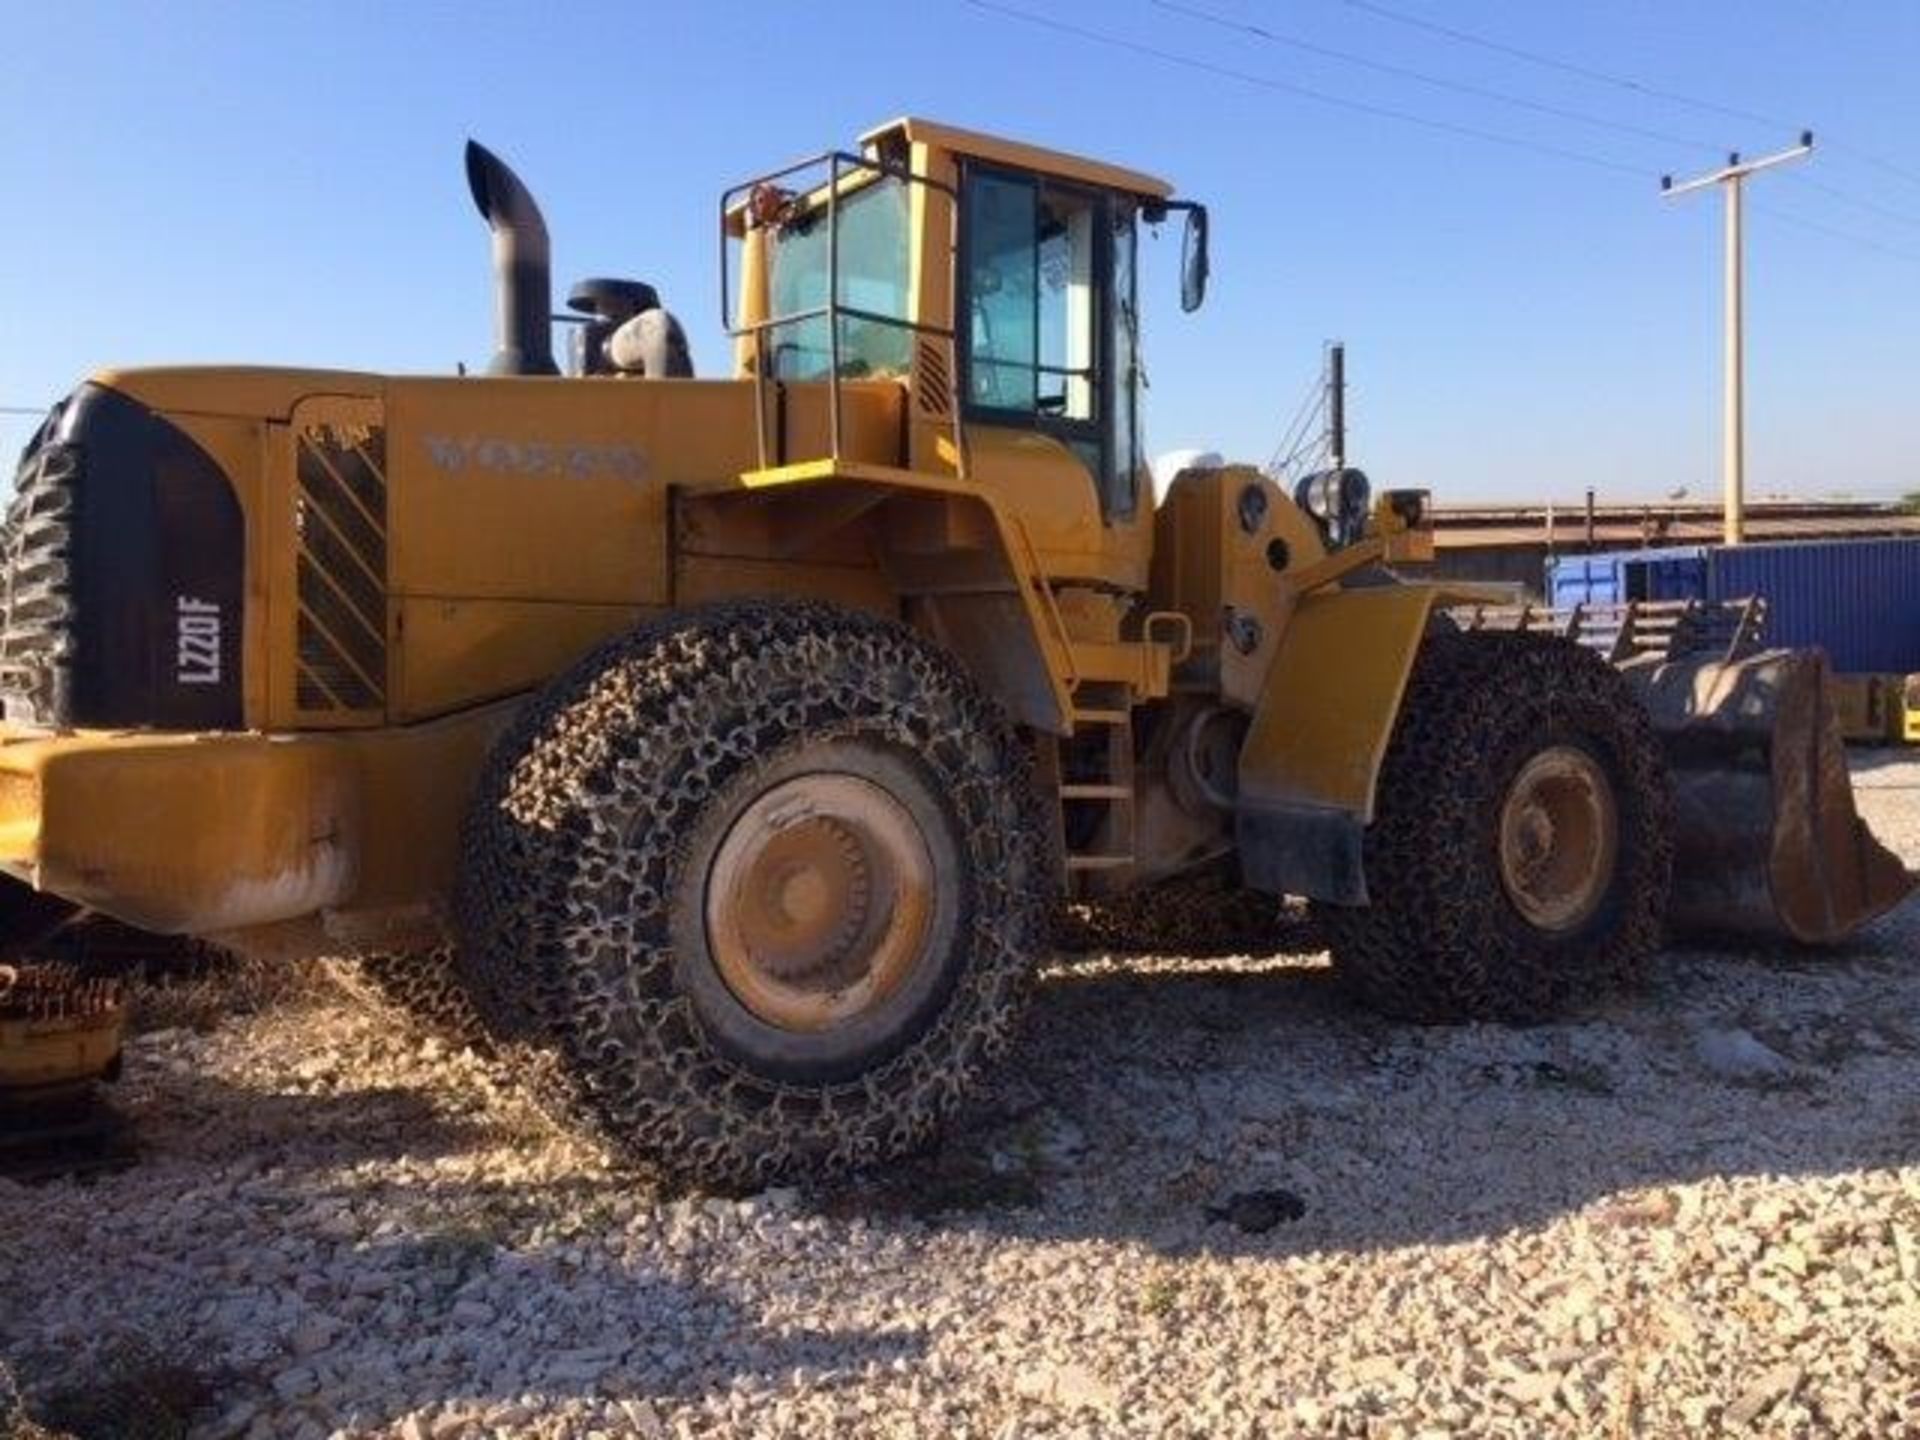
[
  {"x": 883, "y": 890},
  {"x": 1519, "y": 861}
]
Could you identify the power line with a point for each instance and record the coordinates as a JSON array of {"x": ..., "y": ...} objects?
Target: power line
[
  {"x": 1910, "y": 176},
  {"x": 1310, "y": 442},
  {"x": 1868, "y": 205},
  {"x": 1267, "y": 82},
  {"x": 1622, "y": 82},
  {"x": 1534, "y": 57},
  {"x": 1310, "y": 47},
  {"x": 1291, "y": 437},
  {"x": 37, "y": 411},
  {"x": 1274, "y": 37},
  {"x": 1788, "y": 217},
  {"x": 1285, "y": 87},
  {"x": 1312, "y": 449}
]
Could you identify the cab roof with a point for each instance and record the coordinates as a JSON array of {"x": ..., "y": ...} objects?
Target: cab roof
[{"x": 1017, "y": 155}]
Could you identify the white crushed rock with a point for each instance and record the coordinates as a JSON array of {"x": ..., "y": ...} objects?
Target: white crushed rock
[{"x": 1628, "y": 1224}]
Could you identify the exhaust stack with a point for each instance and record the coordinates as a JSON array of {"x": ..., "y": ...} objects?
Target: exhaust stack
[{"x": 522, "y": 278}]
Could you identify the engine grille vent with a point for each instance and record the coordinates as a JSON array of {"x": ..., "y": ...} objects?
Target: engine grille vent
[
  {"x": 340, "y": 516},
  {"x": 36, "y": 586},
  {"x": 935, "y": 387}
]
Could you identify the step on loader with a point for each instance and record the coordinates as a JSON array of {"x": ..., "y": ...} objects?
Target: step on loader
[{"x": 741, "y": 736}]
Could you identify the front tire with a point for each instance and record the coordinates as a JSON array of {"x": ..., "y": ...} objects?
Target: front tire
[
  {"x": 422, "y": 985},
  {"x": 767, "y": 880},
  {"x": 1519, "y": 860}
]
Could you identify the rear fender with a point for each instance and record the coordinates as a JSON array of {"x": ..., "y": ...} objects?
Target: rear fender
[
  {"x": 1312, "y": 756},
  {"x": 963, "y": 568}
]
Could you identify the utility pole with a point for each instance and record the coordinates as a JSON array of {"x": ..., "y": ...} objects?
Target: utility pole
[
  {"x": 1733, "y": 419},
  {"x": 1337, "y": 403}
]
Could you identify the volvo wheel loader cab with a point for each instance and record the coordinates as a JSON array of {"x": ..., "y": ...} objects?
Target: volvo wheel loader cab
[{"x": 740, "y": 735}]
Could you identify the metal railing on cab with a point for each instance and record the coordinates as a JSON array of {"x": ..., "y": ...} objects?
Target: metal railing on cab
[{"x": 765, "y": 203}]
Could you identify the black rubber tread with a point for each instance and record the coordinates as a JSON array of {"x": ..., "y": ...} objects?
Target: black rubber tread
[
  {"x": 575, "y": 847},
  {"x": 1441, "y": 941},
  {"x": 423, "y": 985}
]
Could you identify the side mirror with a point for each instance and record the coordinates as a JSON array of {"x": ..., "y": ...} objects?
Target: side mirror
[{"x": 1193, "y": 259}]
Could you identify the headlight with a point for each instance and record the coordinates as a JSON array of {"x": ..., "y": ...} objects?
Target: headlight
[{"x": 1338, "y": 501}]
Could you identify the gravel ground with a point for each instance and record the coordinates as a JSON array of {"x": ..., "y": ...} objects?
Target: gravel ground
[{"x": 1690, "y": 1212}]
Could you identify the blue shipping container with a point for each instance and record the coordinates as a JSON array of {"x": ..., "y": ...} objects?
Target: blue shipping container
[
  {"x": 1859, "y": 600},
  {"x": 1585, "y": 580},
  {"x": 1613, "y": 577}
]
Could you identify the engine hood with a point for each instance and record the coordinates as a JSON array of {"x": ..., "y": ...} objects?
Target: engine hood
[{"x": 255, "y": 392}]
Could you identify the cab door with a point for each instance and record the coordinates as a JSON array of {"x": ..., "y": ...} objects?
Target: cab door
[{"x": 1046, "y": 307}]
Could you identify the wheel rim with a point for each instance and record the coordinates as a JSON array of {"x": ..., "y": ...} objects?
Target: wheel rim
[
  {"x": 818, "y": 901},
  {"x": 1559, "y": 838}
]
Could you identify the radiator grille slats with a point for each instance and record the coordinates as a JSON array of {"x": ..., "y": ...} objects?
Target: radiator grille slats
[
  {"x": 329, "y": 555},
  {"x": 36, "y": 585},
  {"x": 361, "y": 526},
  {"x": 362, "y": 475},
  {"x": 341, "y": 520},
  {"x": 326, "y": 680}
]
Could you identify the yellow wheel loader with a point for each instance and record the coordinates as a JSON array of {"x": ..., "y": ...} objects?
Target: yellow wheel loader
[{"x": 741, "y": 735}]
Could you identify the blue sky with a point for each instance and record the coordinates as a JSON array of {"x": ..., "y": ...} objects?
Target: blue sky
[{"x": 281, "y": 183}]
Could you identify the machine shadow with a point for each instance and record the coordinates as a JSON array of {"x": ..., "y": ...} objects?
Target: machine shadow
[
  {"x": 1873, "y": 764},
  {"x": 207, "y": 1121},
  {"x": 402, "y": 1248},
  {"x": 1143, "y": 1097}
]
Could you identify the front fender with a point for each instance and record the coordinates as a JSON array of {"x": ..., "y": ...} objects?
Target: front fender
[{"x": 1311, "y": 761}]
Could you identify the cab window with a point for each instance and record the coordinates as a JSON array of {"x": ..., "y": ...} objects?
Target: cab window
[{"x": 873, "y": 278}]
